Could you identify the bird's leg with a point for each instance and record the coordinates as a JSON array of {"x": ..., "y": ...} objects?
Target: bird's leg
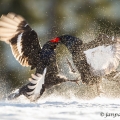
[
  {"x": 21, "y": 91},
  {"x": 70, "y": 65},
  {"x": 97, "y": 84},
  {"x": 76, "y": 81},
  {"x": 72, "y": 70},
  {"x": 14, "y": 95},
  {"x": 117, "y": 75},
  {"x": 99, "y": 89},
  {"x": 114, "y": 76}
]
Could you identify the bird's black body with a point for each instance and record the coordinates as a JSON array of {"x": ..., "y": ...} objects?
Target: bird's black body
[{"x": 46, "y": 56}]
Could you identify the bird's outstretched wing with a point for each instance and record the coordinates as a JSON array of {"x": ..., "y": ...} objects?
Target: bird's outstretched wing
[
  {"x": 102, "y": 55},
  {"x": 23, "y": 40}
]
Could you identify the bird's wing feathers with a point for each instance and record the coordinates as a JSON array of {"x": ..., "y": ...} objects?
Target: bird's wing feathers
[
  {"x": 39, "y": 82},
  {"x": 37, "y": 86},
  {"x": 104, "y": 59},
  {"x": 24, "y": 43}
]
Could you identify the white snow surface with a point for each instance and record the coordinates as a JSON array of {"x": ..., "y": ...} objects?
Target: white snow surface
[{"x": 55, "y": 108}]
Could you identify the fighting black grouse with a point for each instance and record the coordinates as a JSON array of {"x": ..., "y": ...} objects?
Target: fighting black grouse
[
  {"x": 96, "y": 59},
  {"x": 25, "y": 46}
]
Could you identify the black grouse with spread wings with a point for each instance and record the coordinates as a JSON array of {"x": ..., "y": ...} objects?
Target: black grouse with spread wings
[
  {"x": 25, "y": 46},
  {"x": 96, "y": 59}
]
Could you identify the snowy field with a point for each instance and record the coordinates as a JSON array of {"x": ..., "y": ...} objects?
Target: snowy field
[
  {"x": 66, "y": 102},
  {"x": 60, "y": 109}
]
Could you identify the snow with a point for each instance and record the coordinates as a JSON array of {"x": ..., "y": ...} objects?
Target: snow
[{"x": 60, "y": 109}]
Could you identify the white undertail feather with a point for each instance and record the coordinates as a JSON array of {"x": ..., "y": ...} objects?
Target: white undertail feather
[
  {"x": 38, "y": 80},
  {"x": 104, "y": 59}
]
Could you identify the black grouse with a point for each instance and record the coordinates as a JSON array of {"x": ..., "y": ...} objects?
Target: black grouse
[
  {"x": 96, "y": 59},
  {"x": 25, "y": 46}
]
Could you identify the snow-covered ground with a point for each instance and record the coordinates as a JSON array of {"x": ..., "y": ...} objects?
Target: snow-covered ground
[
  {"x": 60, "y": 109},
  {"x": 67, "y": 101}
]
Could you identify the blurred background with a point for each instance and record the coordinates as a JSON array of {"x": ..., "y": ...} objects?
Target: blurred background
[{"x": 50, "y": 18}]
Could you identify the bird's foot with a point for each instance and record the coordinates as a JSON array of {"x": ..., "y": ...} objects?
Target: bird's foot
[
  {"x": 114, "y": 76},
  {"x": 76, "y": 81},
  {"x": 13, "y": 95},
  {"x": 99, "y": 91},
  {"x": 70, "y": 66},
  {"x": 117, "y": 75},
  {"x": 21, "y": 91}
]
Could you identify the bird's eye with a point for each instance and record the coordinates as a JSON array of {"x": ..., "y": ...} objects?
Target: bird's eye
[{"x": 54, "y": 46}]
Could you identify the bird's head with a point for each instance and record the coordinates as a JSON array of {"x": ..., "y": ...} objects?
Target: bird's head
[
  {"x": 50, "y": 45},
  {"x": 68, "y": 40}
]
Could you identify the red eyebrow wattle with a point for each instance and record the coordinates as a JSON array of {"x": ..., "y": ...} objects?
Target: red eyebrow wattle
[{"x": 55, "y": 40}]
